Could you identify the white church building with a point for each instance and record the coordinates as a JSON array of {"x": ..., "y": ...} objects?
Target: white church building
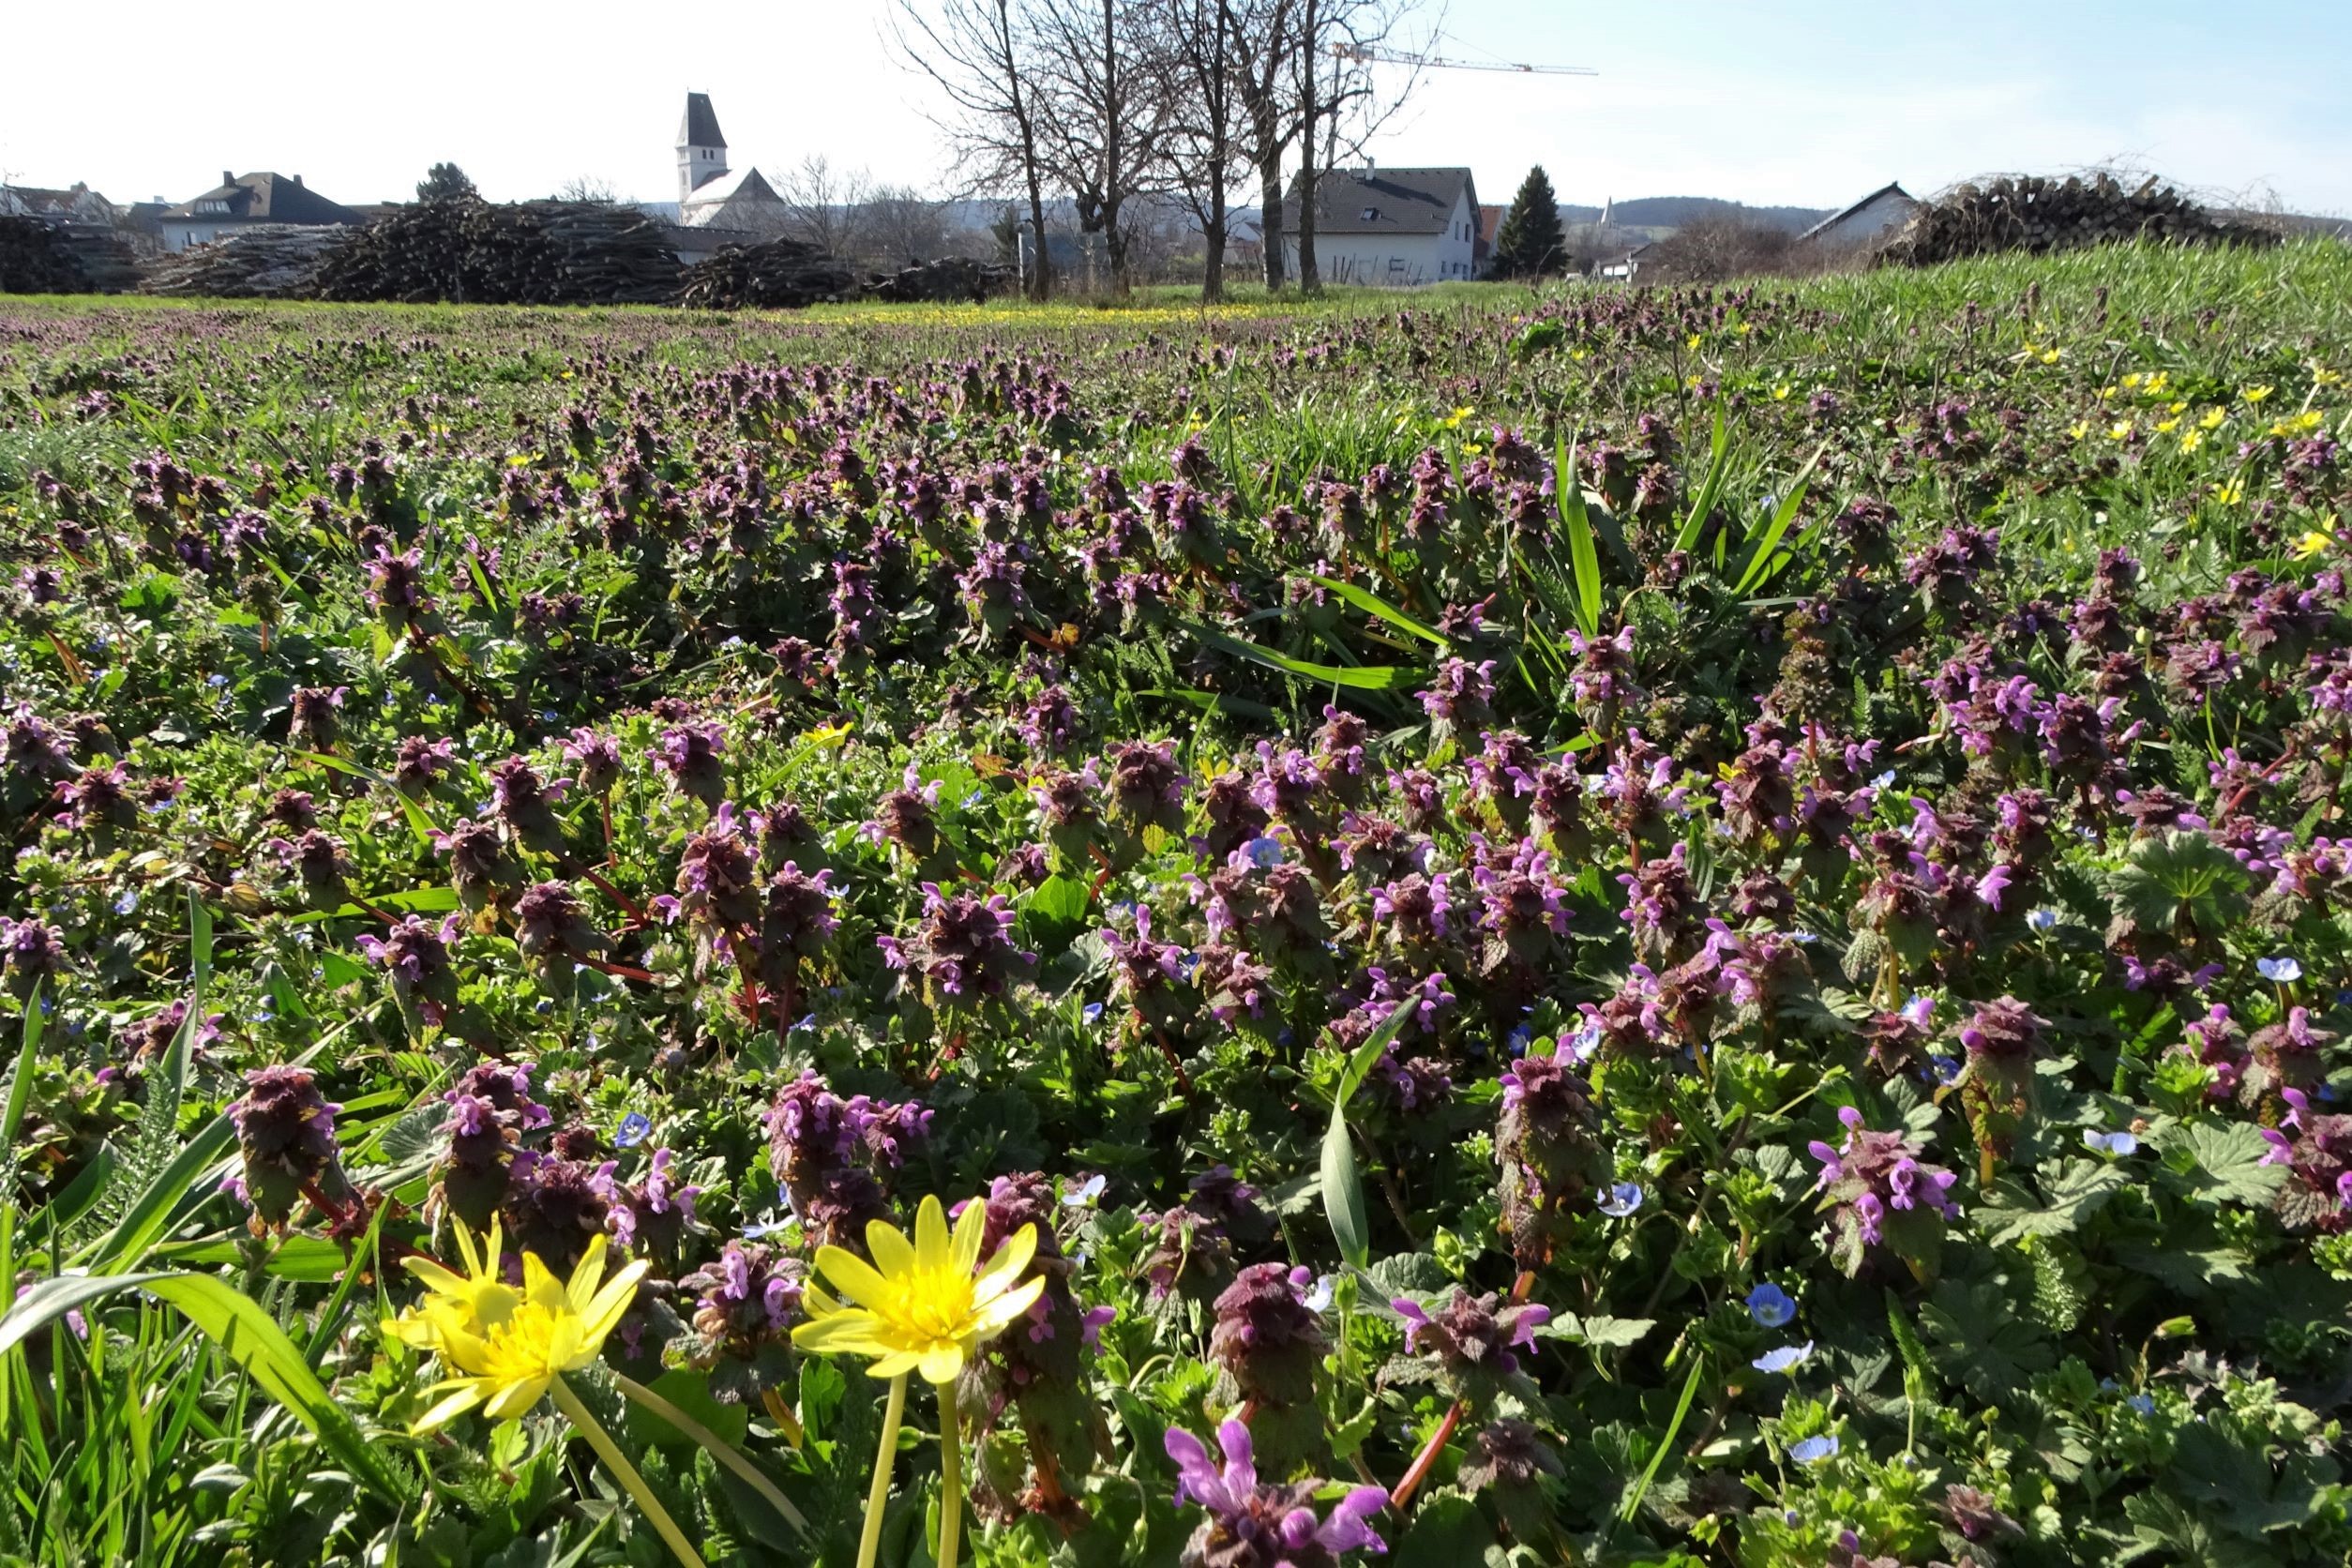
[{"x": 711, "y": 196}]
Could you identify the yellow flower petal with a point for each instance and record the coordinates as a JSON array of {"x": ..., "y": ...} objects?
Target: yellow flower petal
[
  {"x": 1009, "y": 1264},
  {"x": 942, "y": 1363},
  {"x": 468, "y": 1395},
  {"x": 971, "y": 1228},
  {"x": 852, "y": 1275},
  {"x": 585, "y": 1278},
  {"x": 930, "y": 1237},
  {"x": 895, "y": 1363},
  {"x": 887, "y": 1244},
  {"x": 515, "y": 1398},
  {"x": 1009, "y": 1308}
]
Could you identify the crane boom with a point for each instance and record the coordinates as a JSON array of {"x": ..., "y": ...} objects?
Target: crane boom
[{"x": 1396, "y": 57}]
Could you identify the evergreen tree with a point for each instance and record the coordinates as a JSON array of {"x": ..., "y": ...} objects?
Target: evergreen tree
[
  {"x": 446, "y": 182},
  {"x": 1529, "y": 242}
]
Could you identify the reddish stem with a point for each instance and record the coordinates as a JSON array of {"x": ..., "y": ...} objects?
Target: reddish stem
[
  {"x": 1426, "y": 1458},
  {"x": 636, "y": 912},
  {"x": 621, "y": 972}
]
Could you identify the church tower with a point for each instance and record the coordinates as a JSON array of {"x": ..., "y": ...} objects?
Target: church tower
[{"x": 701, "y": 150}]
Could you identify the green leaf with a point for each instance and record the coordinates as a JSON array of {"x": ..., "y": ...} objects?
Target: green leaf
[
  {"x": 196, "y": 1167},
  {"x": 1600, "y": 1331},
  {"x": 19, "y": 1089},
  {"x": 1979, "y": 1339},
  {"x": 420, "y": 822},
  {"x": 238, "y": 1324},
  {"x": 1785, "y": 514},
  {"x": 1362, "y": 677},
  {"x": 1584, "y": 563},
  {"x": 2229, "y": 1164},
  {"x": 1343, "y": 1190},
  {"x": 1666, "y": 1444},
  {"x": 1446, "y": 1531},
  {"x": 2010, "y": 1213},
  {"x": 1372, "y": 604},
  {"x": 1058, "y": 899},
  {"x": 1718, "y": 463}
]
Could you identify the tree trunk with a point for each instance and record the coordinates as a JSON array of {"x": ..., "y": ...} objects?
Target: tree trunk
[
  {"x": 1310, "y": 277},
  {"x": 1040, "y": 267},
  {"x": 1270, "y": 216}
]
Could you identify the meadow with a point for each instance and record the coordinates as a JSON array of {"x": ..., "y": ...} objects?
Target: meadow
[{"x": 1657, "y": 927}]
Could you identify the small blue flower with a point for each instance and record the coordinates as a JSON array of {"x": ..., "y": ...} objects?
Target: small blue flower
[
  {"x": 1621, "y": 1199},
  {"x": 1086, "y": 1192},
  {"x": 2281, "y": 970},
  {"x": 127, "y": 903},
  {"x": 1264, "y": 852},
  {"x": 2142, "y": 1403},
  {"x": 1813, "y": 1450},
  {"x": 1318, "y": 1297},
  {"x": 766, "y": 1225},
  {"x": 1883, "y": 779},
  {"x": 216, "y": 682},
  {"x": 1805, "y": 939},
  {"x": 973, "y": 799},
  {"x": 807, "y": 1022},
  {"x": 634, "y": 1126},
  {"x": 1771, "y": 1305},
  {"x": 2042, "y": 920},
  {"x": 2110, "y": 1143},
  {"x": 1091, "y": 1013},
  {"x": 1947, "y": 1070},
  {"x": 1783, "y": 1358},
  {"x": 1521, "y": 1039}
]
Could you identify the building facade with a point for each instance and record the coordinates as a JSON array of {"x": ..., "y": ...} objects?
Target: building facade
[
  {"x": 1390, "y": 228},
  {"x": 245, "y": 200}
]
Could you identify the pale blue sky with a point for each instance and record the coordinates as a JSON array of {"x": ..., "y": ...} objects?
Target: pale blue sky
[{"x": 1811, "y": 103}]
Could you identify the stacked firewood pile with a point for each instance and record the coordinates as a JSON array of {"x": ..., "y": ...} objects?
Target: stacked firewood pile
[
  {"x": 942, "y": 283},
  {"x": 269, "y": 260},
  {"x": 42, "y": 256},
  {"x": 2036, "y": 214},
  {"x": 526, "y": 253},
  {"x": 777, "y": 274}
]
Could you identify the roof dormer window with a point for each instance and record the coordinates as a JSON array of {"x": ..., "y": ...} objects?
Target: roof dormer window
[{"x": 1369, "y": 214}]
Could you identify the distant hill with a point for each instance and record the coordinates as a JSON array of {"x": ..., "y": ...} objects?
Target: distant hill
[{"x": 1674, "y": 212}]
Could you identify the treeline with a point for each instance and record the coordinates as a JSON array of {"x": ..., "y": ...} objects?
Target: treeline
[{"x": 1116, "y": 105}]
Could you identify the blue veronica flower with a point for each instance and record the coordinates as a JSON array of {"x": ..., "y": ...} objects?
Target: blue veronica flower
[
  {"x": 2142, "y": 1403},
  {"x": 766, "y": 1225},
  {"x": 1318, "y": 1297},
  {"x": 1813, "y": 1450},
  {"x": 1783, "y": 1358},
  {"x": 634, "y": 1126},
  {"x": 1947, "y": 1070},
  {"x": 2281, "y": 970},
  {"x": 1771, "y": 1305},
  {"x": 1091, "y": 1013},
  {"x": 2110, "y": 1143},
  {"x": 2042, "y": 920},
  {"x": 127, "y": 903},
  {"x": 1621, "y": 1199},
  {"x": 1521, "y": 1039},
  {"x": 807, "y": 1021},
  {"x": 1264, "y": 852},
  {"x": 1883, "y": 779},
  {"x": 1086, "y": 1192}
]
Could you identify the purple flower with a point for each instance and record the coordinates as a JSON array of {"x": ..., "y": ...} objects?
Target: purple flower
[{"x": 1252, "y": 1524}]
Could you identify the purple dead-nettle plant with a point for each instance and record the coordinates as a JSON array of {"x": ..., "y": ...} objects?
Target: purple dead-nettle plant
[
  {"x": 1050, "y": 723},
  {"x": 1146, "y": 786},
  {"x": 555, "y": 1206},
  {"x": 651, "y": 1213},
  {"x": 1421, "y": 799},
  {"x": 907, "y": 817},
  {"x": 1502, "y": 776},
  {"x": 598, "y": 757},
  {"x": 718, "y": 891},
  {"x": 745, "y": 1302},
  {"x": 524, "y": 805},
  {"x": 1472, "y": 1342},
  {"x": 1663, "y": 908},
  {"x": 796, "y": 921},
  {"x": 1877, "y": 1192},
  {"x": 1602, "y": 683},
  {"x": 1375, "y": 849},
  {"x": 1146, "y": 975},
  {"x": 1340, "y": 754},
  {"x": 830, "y": 1153},
  {"x": 2287, "y": 1054},
  {"x": 1252, "y": 1524},
  {"x": 2317, "y": 1150},
  {"x": 421, "y": 763},
  {"x": 416, "y": 956},
  {"x": 36, "y": 752},
  {"x": 396, "y": 587},
  {"x": 1239, "y": 990},
  {"x": 314, "y": 718},
  {"x": 1522, "y": 905},
  {"x": 490, "y": 1111},
  {"x": 286, "y": 1138},
  {"x": 1460, "y": 699},
  {"x": 1639, "y": 789},
  {"x": 553, "y": 931},
  {"x": 691, "y": 755},
  {"x": 1546, "y": 1141},
  {"x": 962, "y": 949},
  {"x": 1415, "y": 911},
  {"x": 480, "y": 867},
  {"x": 1066, "y": 809},
  {"x": 1269, "y": 1342},
  {"x": 319, "y": 866}
]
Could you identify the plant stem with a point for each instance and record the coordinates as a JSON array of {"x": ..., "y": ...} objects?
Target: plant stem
[
  {"x": 886, "y": 1458},
  {"x": 951, "y": 1477},
  {"x": 622, "y": 1471}
]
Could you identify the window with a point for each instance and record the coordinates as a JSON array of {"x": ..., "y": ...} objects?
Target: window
[{"x": 1369, "y": 214}]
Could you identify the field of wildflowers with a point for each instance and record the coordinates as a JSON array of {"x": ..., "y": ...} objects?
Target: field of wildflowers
[{"x": 1616, "y": 928}]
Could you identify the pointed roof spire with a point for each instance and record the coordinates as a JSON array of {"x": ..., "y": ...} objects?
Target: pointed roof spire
[{"x": 699, "y": 128}]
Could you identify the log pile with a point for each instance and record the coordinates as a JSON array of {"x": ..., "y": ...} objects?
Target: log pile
[
  {"x": 269, "y": 260},
  {"x": 945, "y": 282},
  {"x": 2036, "y": 214},
  {"x": 525, "y": 253},
  {"x": 38, "y": 255},
  {"x": 777, "y": 274}
]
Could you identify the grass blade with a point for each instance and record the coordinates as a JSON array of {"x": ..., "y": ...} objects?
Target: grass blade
[
  {"x": 1343, "y": 1188},
  {"x": 1785, "y": 515},
  {"x": 1362, "y": 677},
  {"x": 1717, "y": 463},
  {"x": 1372, "y": 604},
  {"x": 1584, "y": 562}
]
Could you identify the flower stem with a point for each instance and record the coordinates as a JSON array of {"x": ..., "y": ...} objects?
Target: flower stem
[
  {"x": 622, "y": 1471},
  {"x": 951, "y": 1479},
  {"x": 886, "y": 1458}
]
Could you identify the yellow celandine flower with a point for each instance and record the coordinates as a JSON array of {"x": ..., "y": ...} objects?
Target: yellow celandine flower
[
  {"x": 920, "y": 1307},
  {"x": 2313, "y": 544},
  {"x": 505, "y": 1345},
  {"x": 2165, "y": 427},
  {"x": 2213, "y": 417},
  {"x": 2119, "y": 430},
  {"x": 2254, "y": 394},
  {"x": 2192, "y": 439}
]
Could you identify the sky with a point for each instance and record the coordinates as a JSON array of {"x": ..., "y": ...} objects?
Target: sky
[{"x": 1800, "y": 102}]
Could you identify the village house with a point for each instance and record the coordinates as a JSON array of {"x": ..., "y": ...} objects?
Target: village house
[
  {"x": 1392, "y": 227},
  {"x": 245, "y": 200},
  {"x": 76, "y": 204},
  {"x": 1868, "y": 221},
  {"x": 712, "y": 197}
]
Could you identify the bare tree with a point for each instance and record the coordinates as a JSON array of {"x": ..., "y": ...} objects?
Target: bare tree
[
  {"x": 825, "y": 204},
  {"x": 980, "y": 55},
  {"x": 1338, "y": 99},
  {"x": 1261, "y": 34},
  {"x": 1107, "y": 105},
  {"x": 1202, "y": 58},
  {"x": 901, "y": 226},
  {"x": 587, "y": 187}
]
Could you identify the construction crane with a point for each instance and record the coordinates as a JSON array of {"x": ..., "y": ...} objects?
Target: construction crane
[{"x": 1364, "y": 56}]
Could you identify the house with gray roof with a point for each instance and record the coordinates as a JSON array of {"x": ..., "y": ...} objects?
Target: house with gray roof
[
  {"x": 1868, "y": 221},
  {"x": 242, "y": 200},
  {"x": 1395, "y": 228}
]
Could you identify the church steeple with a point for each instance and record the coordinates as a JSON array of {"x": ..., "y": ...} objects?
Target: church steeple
[{"x": 701, "y": 150}]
